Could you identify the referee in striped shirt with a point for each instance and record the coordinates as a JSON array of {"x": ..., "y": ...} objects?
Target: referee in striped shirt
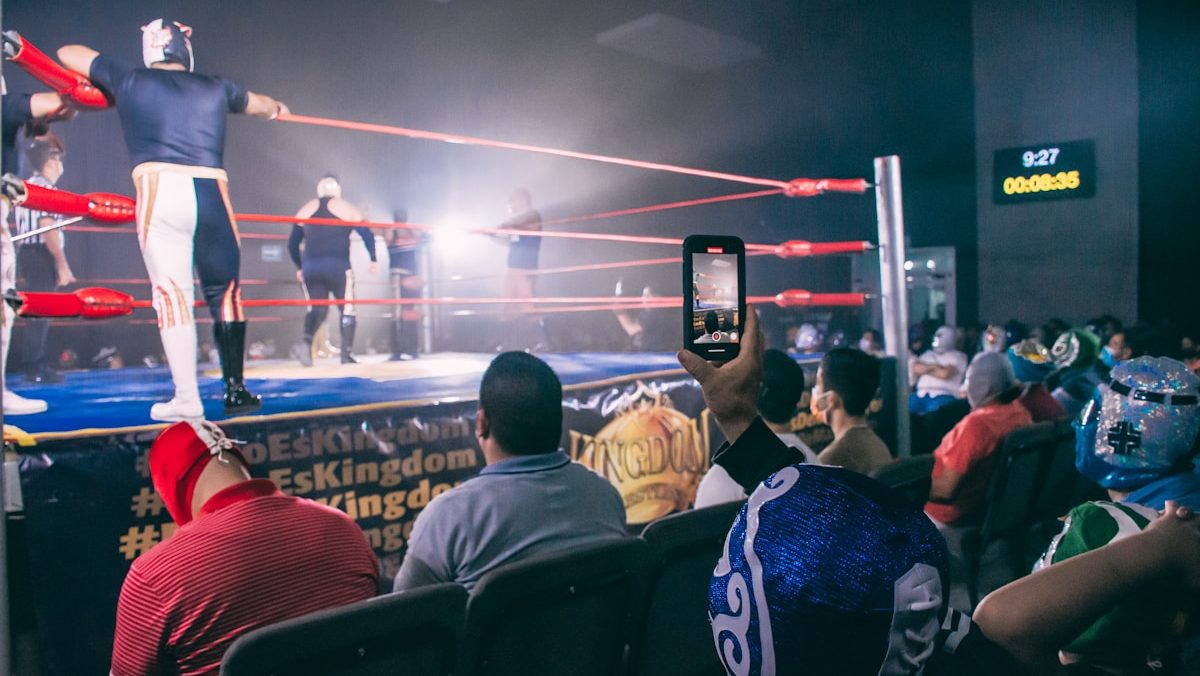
[{"x": 41, "y": 261}]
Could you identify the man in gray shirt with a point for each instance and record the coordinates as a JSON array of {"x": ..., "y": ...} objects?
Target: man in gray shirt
[{"x": 529, "y": 499}]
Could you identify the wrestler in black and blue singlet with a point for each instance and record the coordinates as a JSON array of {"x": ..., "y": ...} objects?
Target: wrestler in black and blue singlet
[
  {"x": 325, "y": 260},
  {"x": 178, "y": 117}
]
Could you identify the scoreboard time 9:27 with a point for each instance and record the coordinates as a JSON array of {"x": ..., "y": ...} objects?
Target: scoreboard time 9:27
[{"x": 1045, "y": 171}]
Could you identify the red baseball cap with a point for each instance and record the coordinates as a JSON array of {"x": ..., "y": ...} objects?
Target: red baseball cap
[{"x": 177, "y": 458}]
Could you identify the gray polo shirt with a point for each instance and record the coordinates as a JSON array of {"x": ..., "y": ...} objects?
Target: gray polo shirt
[{"x": 513, "y": 509}]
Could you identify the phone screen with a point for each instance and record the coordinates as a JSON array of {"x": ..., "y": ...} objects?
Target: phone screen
[{"x": 715, "y": 297}]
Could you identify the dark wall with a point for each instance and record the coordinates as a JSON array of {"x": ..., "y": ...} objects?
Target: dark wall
[
  {"x": 1049, "y": 72},
  {"x": 838, "y": 84},
  {"x": 1169, "y": 107}
]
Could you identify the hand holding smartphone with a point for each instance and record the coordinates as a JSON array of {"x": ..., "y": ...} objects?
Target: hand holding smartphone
[{"x": 714, "y": 295}]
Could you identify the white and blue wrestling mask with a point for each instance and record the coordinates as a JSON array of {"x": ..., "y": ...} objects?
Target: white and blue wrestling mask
[
  {"x": 1139, "y": 426},
  {"x": 826, "y": 571},
  {"x": 167, "y": 41}
]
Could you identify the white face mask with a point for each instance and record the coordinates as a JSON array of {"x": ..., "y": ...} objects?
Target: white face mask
[
  {"x": 818, "y": 405},
  {"x": 866, "y": 345}
]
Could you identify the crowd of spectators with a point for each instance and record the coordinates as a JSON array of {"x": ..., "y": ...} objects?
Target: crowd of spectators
[
  {"x": 848, "y": 576},
  {"x": 1105, "y": 599}
]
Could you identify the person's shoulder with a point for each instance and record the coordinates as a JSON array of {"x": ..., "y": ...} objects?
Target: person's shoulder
[
  {"x": 834, "y": 454},
  {"x": 593, "y": 486},
  {"x": 1015, "y": 412},
  {"x": 1096, "y": 523},
  {"x": 1182, "y": 487},
  {"x": 475, "y": 490},
  {"x": 308, "y": 208},
  {"x": 114, "y": 64},
  {"x": 973, "y": 426},
  {"x": 170, "y": 554},
  {"x": 305, "y": 508},
  {"x": 580, "y": 472},
  {"x": 877, "y": 449},
  {"x": 307, "y": 518},
  {"x": 344, "y": 209}
]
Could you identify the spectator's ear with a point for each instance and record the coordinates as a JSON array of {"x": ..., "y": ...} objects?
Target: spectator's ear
[
  {"x": 835, "y": 401},
  {"x": 482, "y": 426}
]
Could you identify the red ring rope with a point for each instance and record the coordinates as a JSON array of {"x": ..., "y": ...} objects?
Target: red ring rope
[
  {"x": 799, "y": 187},
  {"x": 665, "y": 206}
]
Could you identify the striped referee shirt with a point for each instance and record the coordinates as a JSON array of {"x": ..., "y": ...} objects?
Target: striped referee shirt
[
  {"x": 252, "y": 557},
  {"x": 27, "y": 220}
]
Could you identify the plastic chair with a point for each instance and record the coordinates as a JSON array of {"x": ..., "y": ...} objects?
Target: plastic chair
[
  {"x": 562, "y": 613},
  {"x": 675, "y": 636},
  {"x": 415, "y": 632}
]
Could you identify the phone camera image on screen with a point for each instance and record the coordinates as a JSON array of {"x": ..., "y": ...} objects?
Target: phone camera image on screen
[{"x": 715, "y": 298}]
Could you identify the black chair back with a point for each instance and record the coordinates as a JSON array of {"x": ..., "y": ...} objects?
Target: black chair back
[
  {"x": 415, "y": 633},
  {"x": 1013, "y": 489},
  {"x": 1060, "y": 485},
  {"x": 1011, "y": 498},
  {"x": 675, "y": 636},
  {"x": 910, "y": 476},
  {"x": 561, "y": 613}
]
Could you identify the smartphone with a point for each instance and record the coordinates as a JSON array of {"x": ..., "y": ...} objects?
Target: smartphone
[{"x": 714, "y": 295}]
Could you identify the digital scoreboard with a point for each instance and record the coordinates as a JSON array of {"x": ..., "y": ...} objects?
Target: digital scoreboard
[{"x": 1046, "y": 171}]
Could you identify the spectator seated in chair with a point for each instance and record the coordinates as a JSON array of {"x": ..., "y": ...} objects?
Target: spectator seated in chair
[
  {"x": 1032, "y": 364},
  {"x": 778, "y": 401},
  {"x": 1138, "y": 436},
  {"x": 529, "y": 499},
  {"x": 244, "y": 556},
  {"x": 1136, "y": 637},
  {"x": 1075, "y": 379},
  {"x": 963, "y": 462},
  {"x": 847, "y": 381},
  {"x": 938, "y": 374}
]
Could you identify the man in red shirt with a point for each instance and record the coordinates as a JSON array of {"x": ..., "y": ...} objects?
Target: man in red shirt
[
  {"x": 244, "y": 556},
  {"x": 962, "y": 462}
]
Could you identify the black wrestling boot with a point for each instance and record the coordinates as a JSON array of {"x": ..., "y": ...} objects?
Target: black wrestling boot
[
  {"x": 231, "y": 348},
  {"x": 349, "y": 324},
  {"x": 399, "y": 333}
]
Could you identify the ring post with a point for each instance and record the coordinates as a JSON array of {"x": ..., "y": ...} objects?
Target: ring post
[{"x": 894, "y": 288}]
